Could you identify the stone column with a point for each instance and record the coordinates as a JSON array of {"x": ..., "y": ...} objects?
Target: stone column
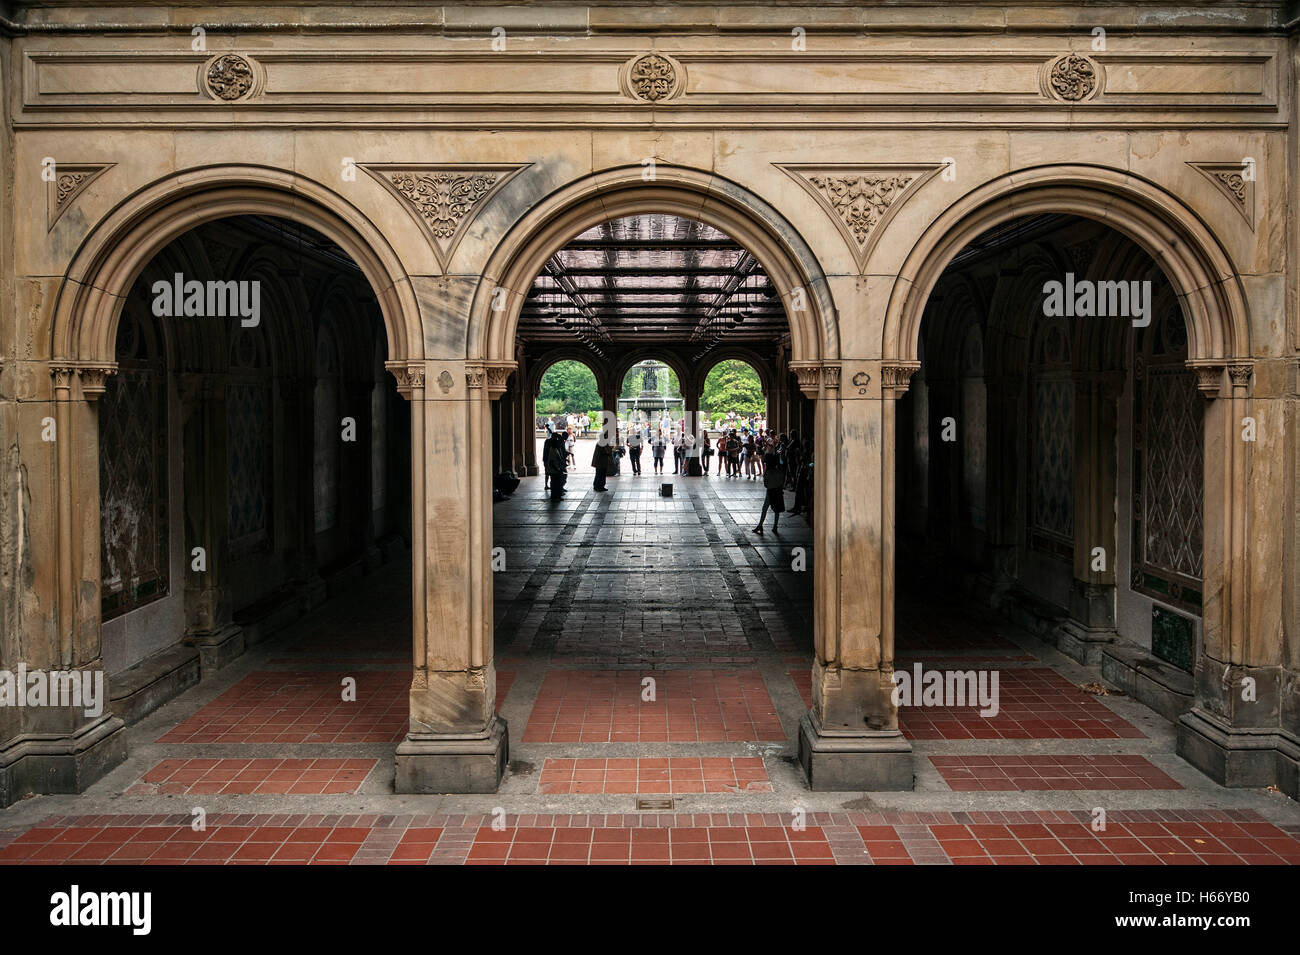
[
  {"x": 523, "y": 458},
  {"x": 308, "y": 582},
  {"x": 691, "y": 397},
  {"x": 209, "y": 614},
  {"x": 1242, "y": 727},
  {"x": 1003, "y": 487},
  {"x": 355, "y": 471},
  {"x": 456, "y": 742},
  {"x": 850, "y": 739},
  {"x": 1091, "y": 624},
  {"x": 52, "y": 477},
  {"x": 944, "y": 505}
]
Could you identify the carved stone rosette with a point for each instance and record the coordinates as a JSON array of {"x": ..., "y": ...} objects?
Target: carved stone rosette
[
  {"x": 230, "y": 77},
  {"x": 1071, "y": 78},
  {"x": 653, "y": 78}
]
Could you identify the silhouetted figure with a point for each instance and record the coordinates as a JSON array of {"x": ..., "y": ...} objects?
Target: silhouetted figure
[
  {"x": 553, "y": 460},
  {"x": 602, "y": 460},
  {"x": 774, "y": 482}
]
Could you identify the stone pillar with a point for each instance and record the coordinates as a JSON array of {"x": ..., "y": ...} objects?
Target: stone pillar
[
  {"x": 850, "y": 739},
  {"x": 308, "y": 582},
  {"x": 1242, "y": 727},
  {"x": 945, "y": 459},
  {"x": 1091, "y": 623},
  {"x": 524, "y": 455},
  {"x": 530, "y": 442},
  {"x": 456, "y": 742},
  {"x": 691, "y": 397},
  {"x": 355, "y": 470},
  {"x": 209, "y": 614},
  {"x": 1003, "y": 485},
  {"x": 53, "y": 625}
]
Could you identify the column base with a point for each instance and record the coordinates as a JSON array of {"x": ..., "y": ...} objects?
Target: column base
[
  {"x": 61, "y": 764},
  {"x": 1241, "y": 757},
  {"x": 219, "y": 648},
  {"x": 863, "y": 762},
  {"x": 1083, "y": 643},
  {"x": 453, "y": 764}
]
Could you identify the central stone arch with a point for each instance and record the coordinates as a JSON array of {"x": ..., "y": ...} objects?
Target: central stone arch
[
  {"x": 490, "y": 352},
  {"x": 675, "y": 190}
]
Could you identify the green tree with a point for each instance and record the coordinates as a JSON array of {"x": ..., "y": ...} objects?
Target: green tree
[
  {"x": 570, "y": 383},
  {"x": 732, "y": 385}
]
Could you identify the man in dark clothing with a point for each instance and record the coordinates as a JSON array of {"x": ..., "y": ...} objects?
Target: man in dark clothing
[
  {"x": 774, "y": 482},
  {"x": 601, "y": 460},
  {"x": 553, "y": 460}
]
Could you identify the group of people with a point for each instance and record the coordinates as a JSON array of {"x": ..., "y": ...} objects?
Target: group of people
[
  {"x": 578, "y": 424},
  {"x": 778, "y": 460}
]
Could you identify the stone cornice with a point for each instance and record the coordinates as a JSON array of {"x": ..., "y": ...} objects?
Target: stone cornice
[
  {"x": 843, "y": 83},
  {"x": 825, "y": 18}
]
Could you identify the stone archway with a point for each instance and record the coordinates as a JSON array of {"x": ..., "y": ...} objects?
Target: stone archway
[
  {"x": 850, "y": 739},
  {"x": 84, "y": 330},
  {"x": 1213, "y": 302}
]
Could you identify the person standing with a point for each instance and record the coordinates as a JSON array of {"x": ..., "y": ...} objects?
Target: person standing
[
  {"x": 706, "y": 453},
  {"x": 554, "y": 462},
  {"x": 601, "y": 460},
  {"x": 679, "y": 453},
  {"x": 774, "y": 498},
  {"x": 634, "y": 448},
  {"x": 803, "y": 489},
  {"x": 793, "y": 459},
  {"x": 657, "y": 449}
]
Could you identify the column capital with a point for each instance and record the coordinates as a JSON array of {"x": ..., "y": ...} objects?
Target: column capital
[
  {"x": 896, "y": 377},
  {"x": 814, "y": 376},
  {"x": 92, "y": 375},
  {"x": 1209, "y": 376},
  {"x": 1239, "y": 373},
  {"x": 409, "y": 375},
  {"x": 491, "y": 375}
]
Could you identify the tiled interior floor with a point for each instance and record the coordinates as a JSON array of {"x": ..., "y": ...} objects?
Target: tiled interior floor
[{"x": 647, "y": 646}]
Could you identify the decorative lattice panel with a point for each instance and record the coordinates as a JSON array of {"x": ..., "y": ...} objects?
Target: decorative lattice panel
[
  {"x": 1052, "y": 460},
  {"x": 248, "y": 449},
  {"x": 1168, "y": 450},
  {"x": 133, "y": 476}
]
